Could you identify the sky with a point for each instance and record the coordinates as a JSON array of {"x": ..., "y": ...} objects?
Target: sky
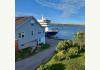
[{"x": 58, "y": 11}]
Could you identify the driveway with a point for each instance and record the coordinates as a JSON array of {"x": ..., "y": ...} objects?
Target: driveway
[{"x": 32, "y": 62}]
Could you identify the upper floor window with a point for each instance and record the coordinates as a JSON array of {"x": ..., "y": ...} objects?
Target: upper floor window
[
  {"x": 32, "y": 24},
  {"x": 21, "y": 35}
]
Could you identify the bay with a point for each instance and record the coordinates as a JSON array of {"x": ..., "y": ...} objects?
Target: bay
[{"x": 67, "y": 32}]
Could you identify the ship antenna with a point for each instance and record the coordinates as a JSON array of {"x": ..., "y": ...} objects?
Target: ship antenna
[{"x": 43, "y": 17}]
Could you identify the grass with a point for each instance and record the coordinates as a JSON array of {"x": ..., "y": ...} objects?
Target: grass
[
  {"x": 77, "y": 63},
  {"x": 69, "y": 55},
  {"x": 27, "y": 52}
]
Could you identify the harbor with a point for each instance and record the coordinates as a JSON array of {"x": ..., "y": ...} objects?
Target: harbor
[
  {"x": 49, "y": 35},
  {"x": 60, "y": 31}
]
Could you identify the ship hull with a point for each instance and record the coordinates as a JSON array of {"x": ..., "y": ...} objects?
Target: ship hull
[{"x": 49, "y": 34}]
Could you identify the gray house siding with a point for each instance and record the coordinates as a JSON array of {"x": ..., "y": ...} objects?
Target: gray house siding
[
  {"x": 41, "y": 36},
  {"x": 29, "y": 40}
]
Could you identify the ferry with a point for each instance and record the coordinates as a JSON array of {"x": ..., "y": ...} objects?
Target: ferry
[{"x": 45, "y": 23}]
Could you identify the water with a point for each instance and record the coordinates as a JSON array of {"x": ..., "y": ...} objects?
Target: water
[{"x": 67, "y": 32}]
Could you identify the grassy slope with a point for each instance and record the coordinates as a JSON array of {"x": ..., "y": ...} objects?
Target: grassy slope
[{"x": 77, "y": 63}]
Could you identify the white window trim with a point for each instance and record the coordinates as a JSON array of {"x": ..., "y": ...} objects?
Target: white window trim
[{"x": 22, "y": 33}]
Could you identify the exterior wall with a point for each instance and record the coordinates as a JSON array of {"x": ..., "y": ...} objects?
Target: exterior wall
[
  {"x": 41, "y": 37},
  {"x": 16, "y": 45},
  {"x": 29, "y": 40}
]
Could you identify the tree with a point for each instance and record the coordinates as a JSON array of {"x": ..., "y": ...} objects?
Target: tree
[{"x": 79, "y": 39}]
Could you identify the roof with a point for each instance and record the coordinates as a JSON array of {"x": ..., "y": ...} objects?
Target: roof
[{"x": 22, "y": 19}]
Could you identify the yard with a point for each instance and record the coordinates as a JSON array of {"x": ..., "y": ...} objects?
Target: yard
[
  {"x": 77, "y": 63},
  {"x": 69, "y": 55},
  {"x": 27, "y": 52}
]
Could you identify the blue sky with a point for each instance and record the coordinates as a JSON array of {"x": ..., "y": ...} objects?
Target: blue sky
[{"x": 59, "y": 11}]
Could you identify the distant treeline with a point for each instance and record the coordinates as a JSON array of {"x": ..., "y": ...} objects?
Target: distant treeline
[{"x": 67, "y": 24}]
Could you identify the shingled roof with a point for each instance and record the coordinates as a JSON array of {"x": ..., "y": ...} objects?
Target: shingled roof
[{"x": 22, "y": 19}]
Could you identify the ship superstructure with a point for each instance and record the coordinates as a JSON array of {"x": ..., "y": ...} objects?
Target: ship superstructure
[{"x": 45, "y": 23}]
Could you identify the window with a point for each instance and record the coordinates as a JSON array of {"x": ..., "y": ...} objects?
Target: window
[
  {"x": 32, "y": 24},
  {"x": 39, "y": 39},
  {"x": 22, "y": 44},
  {"x": 32, "y": 32},
  {"x": 21, "y": 35}
]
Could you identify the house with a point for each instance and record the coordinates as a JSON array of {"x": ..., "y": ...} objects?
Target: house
[{"x": 28, "y": 32}]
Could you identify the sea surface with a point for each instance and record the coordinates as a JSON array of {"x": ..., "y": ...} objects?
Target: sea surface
[{"x": 67, "y": 32}]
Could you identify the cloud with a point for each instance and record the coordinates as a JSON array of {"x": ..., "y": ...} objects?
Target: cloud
[{"x": 68, "y": 7}]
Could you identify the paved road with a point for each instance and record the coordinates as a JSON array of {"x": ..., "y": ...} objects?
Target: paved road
[{"x": 32, "y": 62}]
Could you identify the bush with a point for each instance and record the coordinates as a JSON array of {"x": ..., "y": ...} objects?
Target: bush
[
  {"x": 27, "y": 50},
  {"x": 70, "y": 43},
  {"x": 56, "y": 66},
  {"x": 44, "y": 46},
  {"x": 60, "y": 56},
  {"x": 73, "y": 52},
  {"x": 23, "y": 53},
  {"x": 62, "y": 45},
  {"x": 43, "y": 67}
]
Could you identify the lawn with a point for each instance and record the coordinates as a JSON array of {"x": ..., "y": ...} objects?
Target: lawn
[{"x": 77, "y": 63}]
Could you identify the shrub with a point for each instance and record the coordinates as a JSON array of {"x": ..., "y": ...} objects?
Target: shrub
[
  {"x": 28, "y": 49},
  {"x": 70, "y": 43},
  {"x": 73, "y": 52},
  {"x": 56, "y": 66},
  {"x": 44, "y": 67},
  {"x": 62, "y": 45},
  {"x": 60, "y": 56},
  {"x": 23, "y": 53},
  {"x": 44, "y": 46}
]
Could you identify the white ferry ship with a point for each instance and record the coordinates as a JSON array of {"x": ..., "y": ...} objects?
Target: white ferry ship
[{"x": 45, "y": 23}]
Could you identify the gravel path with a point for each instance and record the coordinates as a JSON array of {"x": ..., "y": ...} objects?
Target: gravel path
[{"x": 32, "y": 62}]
